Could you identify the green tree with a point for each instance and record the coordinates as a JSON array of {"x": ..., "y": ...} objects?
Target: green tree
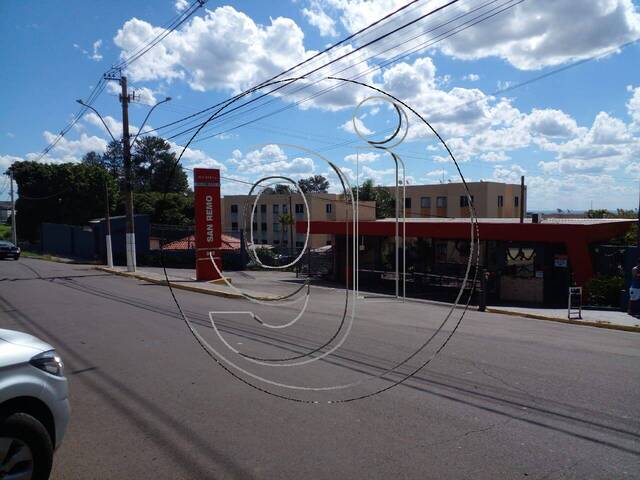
[
  {"x": 155, "y": 167},
  {"x": 70, "y": 193},
  {"x": 368, "y": 192},
  {"x": 631, "y": 236},
  {"x": 314, "y": 184}
]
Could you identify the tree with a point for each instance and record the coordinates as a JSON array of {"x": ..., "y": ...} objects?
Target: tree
[
  {"x": 385, "y": 203},
  {"x": 314, "y": 184},
  {"x": 71, "y": 193},
  {"x": 92, "y": 158},
  {"x": 112, "y": 160},
  {"x": 285, "y": 220},
  {"x": 155, "y": 167}
]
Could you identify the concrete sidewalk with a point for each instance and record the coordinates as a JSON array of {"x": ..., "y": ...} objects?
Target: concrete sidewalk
[
  {"x": 594, "y": 318},
  {"x": 266, "y": 283},
  {"x": 181, "y": 282}
]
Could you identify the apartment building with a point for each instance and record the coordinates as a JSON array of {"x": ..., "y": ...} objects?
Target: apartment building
[
  {"x": 269, "y": 223},
  {"x": 491, "y": 200}
]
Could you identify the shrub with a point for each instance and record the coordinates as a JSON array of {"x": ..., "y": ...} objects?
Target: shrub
[{"x": 604, "y": 290}]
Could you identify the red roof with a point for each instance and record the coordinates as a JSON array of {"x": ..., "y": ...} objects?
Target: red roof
[{"x": 189, "y": 243}]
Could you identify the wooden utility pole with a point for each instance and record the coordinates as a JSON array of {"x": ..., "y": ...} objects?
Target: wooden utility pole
[
  {"x": 14, "y": 233},
  {"x": 128, "y": 178}
]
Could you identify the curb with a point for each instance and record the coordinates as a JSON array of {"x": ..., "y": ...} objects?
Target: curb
[
  {"x": 586, "y": 323},
  {"x": 175, "y": 285}
]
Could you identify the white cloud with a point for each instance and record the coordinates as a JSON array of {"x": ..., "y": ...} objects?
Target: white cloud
[
  {"x": 495, "y": 157},
  {"x": 472, "y": 77},
  {"x": 225, "y": 49},
  {"x": 348, "y": 127},
  {"x": 193, "y": 158},
  {"x": 531, "y": 35},
  {"x": 508, "y": 174},
  {"x": 271, "y": 160},
  {"x": 181, "y": 5},
  {"x": 96, "y": 56},
  {"x": 73, "y": 150},
  {"x": 366, "y": 157},
  {"x": 633, "y": 106},
  {"x": 145, "y": 96},
  {"x": 317, "y": 17}
]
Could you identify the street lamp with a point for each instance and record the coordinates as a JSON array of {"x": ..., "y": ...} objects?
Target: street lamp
[
  {"x": 99, "y": 116},
  {"x": 106, "y": 192},
  {"x": 145, "y": 118}
]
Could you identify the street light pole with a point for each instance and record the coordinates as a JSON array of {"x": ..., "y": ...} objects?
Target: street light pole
[
  {"x": 14, "y": 233},
  {"x": 108, "y": 219},
  {"x": 106, "y": 191}
]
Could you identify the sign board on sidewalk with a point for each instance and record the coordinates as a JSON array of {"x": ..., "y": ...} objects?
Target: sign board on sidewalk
[{"x": 206, "y": 184}]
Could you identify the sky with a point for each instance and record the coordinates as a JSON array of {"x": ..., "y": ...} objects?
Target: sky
[{"x": 548, "y": 89}]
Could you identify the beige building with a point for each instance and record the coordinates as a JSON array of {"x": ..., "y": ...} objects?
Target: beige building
[
  {"x": 491, "y": 200},
  {"x": 269, "y": 222}
]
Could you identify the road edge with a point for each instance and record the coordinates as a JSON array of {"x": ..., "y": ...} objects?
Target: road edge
[{"x": 178, "y": 286}]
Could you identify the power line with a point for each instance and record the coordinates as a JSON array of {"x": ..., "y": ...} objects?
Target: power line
[
  {"x": 100, "y": 86},
  {"x": 284, "y": 72},
  {"x": 317, "y": 94}
]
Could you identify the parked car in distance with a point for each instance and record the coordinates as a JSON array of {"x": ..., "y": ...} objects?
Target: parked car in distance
[
  {"x": 34, "y": 405},
  {"x": 9, "y": 250}
]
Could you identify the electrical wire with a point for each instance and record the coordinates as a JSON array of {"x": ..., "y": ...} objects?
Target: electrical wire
[{"x": 100, "y": 86}]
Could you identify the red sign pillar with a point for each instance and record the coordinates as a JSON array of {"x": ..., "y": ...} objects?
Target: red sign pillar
[{"x": 206, "y": 184}]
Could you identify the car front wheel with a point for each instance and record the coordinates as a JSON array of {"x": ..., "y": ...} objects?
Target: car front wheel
[{"x": 26, "y": 450}]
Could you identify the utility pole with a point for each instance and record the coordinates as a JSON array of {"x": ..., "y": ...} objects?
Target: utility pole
[
  {"x": 14, "y": 234},
  {"x": 128, "y": 180},
  {"x": 108, "y": 219}
]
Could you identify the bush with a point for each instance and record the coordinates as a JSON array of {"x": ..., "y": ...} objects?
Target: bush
[{"x": 604, "y": 290}]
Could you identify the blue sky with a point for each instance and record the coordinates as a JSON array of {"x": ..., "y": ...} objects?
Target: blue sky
[{"x": 575, "y": 135}]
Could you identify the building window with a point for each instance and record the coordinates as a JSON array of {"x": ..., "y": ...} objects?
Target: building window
[
  {"x": 234, "y": 208},
  {"x": 464, "y": 201},
  {"x": 263, "y": 227},
  {"x": 516, "y": 201},
  {"x": 328, "y": 208},
  {"x": 276, "y": 227},
  {"x": 284, "y": 208},
  {"x": 299, "y": 244},
  {"x": 425, "y": 202},
  {"x": 299, "y": 208},
  {"x": 264, "y": 242},
  {"x": 285, "y": 242},
  {"x": 407, "y": 202},
  {"x": 441, "y": 202},
  {"x": 276, "y": 209},
  {"x": 500, "y": 201},
  {"x": 234, "y": 226},
  {"x": 263, "y": 208},
  {"x": 255, "y": 226},
  {"x": 276, "y": 242}
]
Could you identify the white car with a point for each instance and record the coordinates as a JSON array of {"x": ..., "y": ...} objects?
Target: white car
[{"x": 34, "y": 406}]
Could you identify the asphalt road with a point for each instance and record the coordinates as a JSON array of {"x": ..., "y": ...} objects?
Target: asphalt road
[{"x": 507, "y": 397}]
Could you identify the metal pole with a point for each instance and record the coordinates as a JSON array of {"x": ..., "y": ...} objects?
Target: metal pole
[
  {"x": 14, "y": 233},
  {"x": 522, "y": 199},
  {"x": 128, "y": 199},
  {"x": 108, "y": 219}
]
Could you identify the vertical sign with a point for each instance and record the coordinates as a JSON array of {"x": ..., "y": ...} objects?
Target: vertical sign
[{"x": 206, "y": 184}]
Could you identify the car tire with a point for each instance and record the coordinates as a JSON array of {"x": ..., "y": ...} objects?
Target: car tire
[{"x": 32, "y": 433}]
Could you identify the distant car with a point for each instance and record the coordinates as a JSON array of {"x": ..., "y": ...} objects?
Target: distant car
[
  {"x": 9, "y": 250},
  {"x": 34, "y": 405}
]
